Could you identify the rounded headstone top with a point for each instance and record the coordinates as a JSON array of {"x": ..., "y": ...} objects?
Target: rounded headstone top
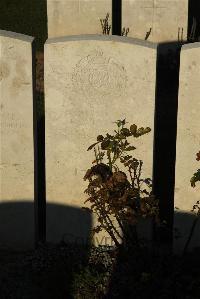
[
  {"x": 100, "y": 37},
  {"x": 15, "y": 35},
  {"x": 191, "y": 46}
]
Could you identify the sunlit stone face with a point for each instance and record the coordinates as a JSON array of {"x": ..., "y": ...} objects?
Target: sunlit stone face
[
  {"x": 90, "y": 82},
  {"x": 160, "y": 20},
  {"x": 66, "y": 17},
  {"x": 16, "y": 141},
  {"x": 188, "y": 144}
]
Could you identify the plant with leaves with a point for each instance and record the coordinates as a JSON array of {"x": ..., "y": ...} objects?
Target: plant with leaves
[
  {"x": 196, "y": 176},
  {"x": 125, "y": 31},
  {"x": 119, "y": 199},
  {"x": 105, "y": 25},
  {"x": 196, "y": 207}
]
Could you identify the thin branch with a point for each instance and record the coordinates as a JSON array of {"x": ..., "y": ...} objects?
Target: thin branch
[{"x": 110, "y": 221}]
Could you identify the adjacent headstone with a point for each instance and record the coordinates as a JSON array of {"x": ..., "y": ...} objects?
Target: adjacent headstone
[
  {"x": 90, "y": 82},
  {"x": 188, "y": 144},
  {"x": 73, "y": 17},
  {"x": 16, "y": 141},
  {"x": 157, "y": 20}
]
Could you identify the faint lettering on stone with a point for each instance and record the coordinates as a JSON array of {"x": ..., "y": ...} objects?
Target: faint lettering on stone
[{"x": 10, "y": 121}]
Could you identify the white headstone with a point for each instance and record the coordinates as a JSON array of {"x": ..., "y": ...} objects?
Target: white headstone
[
  {"x": 167, "y": 19},
  {"x": 16, "y": 141},
  {"x": 188, "y": 144},
  {"x": 90, "y": 82},
  {"x": 73, "y": 17}
]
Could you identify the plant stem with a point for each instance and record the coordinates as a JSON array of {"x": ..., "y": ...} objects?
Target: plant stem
[
  {"x": 111, "y": 224},
  {"x": 132, "y": 179},
  {"x": 109, "y": 160},
  {"x": 108, "y": 222},
  {"x": 109, "y": 231}
]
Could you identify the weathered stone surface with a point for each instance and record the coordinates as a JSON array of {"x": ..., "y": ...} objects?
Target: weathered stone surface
[
  {"x": 165, "y": 17},
  {"x": 90, "y": 82},
  {"x": 188, "y": 143},
  {"x": 16, "y": 140},
  {"x": 67, "y": 17}
]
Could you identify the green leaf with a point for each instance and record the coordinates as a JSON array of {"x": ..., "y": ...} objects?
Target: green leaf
[
  {"x": 118, "y": 122},
  {"x": 192, "y": 181},
  {"x": 147, "y": 130},
  {"x": 133, "y": 129},
  {"x": 123, "y": 122},
  {"x": 130, "y": 148},
  {"x": 91, "y": 146},
  {"x": 100, "y": 138},
  {"x": 105, "y": 144},
  {"x": 127, "y": 157},
  {"x": 195, "y": 178},
  {"x": 141, "y": 131},
  {"x": 127, "y": 163},
  {"x": 125, "y": 132},
  {"x": 121, "y": 136}
]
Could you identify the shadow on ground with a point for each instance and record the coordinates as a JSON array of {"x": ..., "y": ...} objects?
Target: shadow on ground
[
  {"x": 143, "y": 272},
  {"x": 48, "y": 270}
]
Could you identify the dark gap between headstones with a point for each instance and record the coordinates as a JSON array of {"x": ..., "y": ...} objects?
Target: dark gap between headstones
[
  {"x": 193, "y": 20},
  {"x": 116, "y": 17},
  {"x": 167, "y": 83}
]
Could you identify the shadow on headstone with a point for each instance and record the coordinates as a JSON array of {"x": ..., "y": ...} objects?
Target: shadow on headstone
[
  {"x": 68, "y": 224},
  {"x": 167, "y": 83},
  {"x": 193, "y": 20},
  {"x": 26, "y": 17},
  {"x": 17, "y": 224},
  {"x": 186, "y": 231}
]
